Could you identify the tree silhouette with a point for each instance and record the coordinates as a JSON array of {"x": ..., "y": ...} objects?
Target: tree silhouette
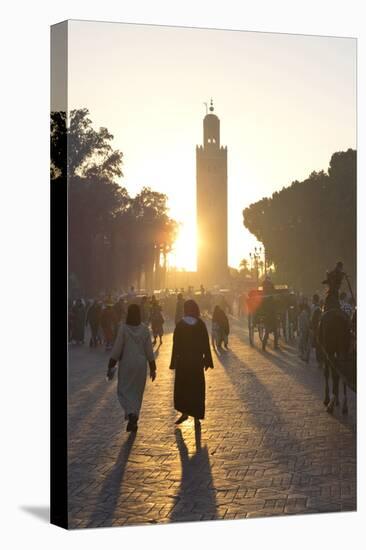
[
  {"x": 309, "y": 225},
  {"x": 113, "y": 239}
]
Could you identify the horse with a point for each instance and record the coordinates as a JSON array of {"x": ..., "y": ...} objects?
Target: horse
[{"x": 337, "y": 343}]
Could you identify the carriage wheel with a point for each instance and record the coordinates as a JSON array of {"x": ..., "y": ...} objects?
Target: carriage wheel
[{"x": 251, "y": 329}]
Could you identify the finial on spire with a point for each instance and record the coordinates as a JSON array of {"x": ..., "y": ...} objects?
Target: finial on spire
[{"x": 211, "y": 105}]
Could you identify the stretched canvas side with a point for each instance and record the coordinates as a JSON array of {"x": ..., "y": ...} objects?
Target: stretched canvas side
[{"x": 59, "y": 500}]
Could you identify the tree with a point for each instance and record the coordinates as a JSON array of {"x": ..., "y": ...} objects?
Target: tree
[
  {"x": 94, "y": 196},
  {"x": 113, "y": 239},
  {"x": 156, "y": 233},
  {"x": 309, "y": 225}
]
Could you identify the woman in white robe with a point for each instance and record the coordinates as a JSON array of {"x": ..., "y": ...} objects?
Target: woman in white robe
[{"x": 132, "y": 350}]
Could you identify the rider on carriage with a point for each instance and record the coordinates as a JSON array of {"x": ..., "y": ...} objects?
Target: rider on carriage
[{"x": 334, "y": 280}]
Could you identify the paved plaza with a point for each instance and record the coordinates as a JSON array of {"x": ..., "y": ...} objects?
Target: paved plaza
[{"x": 266, "y": 447}]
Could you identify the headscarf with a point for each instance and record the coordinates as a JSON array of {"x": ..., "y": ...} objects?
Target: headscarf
[
  {"x": 133, "y": 315},
  {"x": 191, "y": 309}
]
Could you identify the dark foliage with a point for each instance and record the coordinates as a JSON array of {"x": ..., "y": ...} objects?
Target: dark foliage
[
  {"x": 114, "y": 239},
  {"x": 310, "y": 225}
]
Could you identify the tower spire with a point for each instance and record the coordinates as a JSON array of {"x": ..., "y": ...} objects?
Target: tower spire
[{"x": 211, "y": 105}]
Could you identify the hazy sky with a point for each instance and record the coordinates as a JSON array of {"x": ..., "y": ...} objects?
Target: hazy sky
[{"x": 286, "y": 103}]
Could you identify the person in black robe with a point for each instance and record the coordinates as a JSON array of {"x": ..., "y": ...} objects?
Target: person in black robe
[
  {"x": 221, "y": 324},
  {"x": 191, "y": 355},
  {"x": 157, "y": 320}
]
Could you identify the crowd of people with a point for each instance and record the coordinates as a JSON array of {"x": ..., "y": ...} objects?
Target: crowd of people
[
  {"x": 131, "y": 325},
  {"x": 303, "y": 313},
  {"x": 104, "y": 315}
]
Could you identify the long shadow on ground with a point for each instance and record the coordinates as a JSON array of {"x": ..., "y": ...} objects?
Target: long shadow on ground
[
  {"x": 196, "y": 495},
  {"x": 303, "y": 466},
  {"x": 112, "y": 485}
]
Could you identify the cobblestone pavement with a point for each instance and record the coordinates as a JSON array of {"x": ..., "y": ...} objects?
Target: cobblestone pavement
[{"x": 267, "y": 447}]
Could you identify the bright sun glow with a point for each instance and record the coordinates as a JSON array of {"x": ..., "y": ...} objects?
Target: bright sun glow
[
  {"x": 184, "y": 254},
  {"x": 266, "y": 101}
]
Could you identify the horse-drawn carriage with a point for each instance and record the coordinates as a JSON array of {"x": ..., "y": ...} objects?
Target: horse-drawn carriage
[{"x": 285, "y": 307}]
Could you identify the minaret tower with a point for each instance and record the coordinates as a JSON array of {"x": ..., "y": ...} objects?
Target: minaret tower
[{"x": 211, "y": 165}]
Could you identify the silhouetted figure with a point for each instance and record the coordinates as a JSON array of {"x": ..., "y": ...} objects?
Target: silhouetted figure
[
  {"x": 78, "y": 322},
  {"x": 220, "y": 328},
  {"x": 241, "y": 304},
  {"x": 133, "y": 350},
  {"x": 191, "y": 355},
  {"x": 108, "y": 322},
  {"x": 223, "y": 304},
  {"x": 93, "y": 319},
  {"x": 316, "y": 313},
  {"x": 179, "y": 308},
  {"x": 71, "y": 322},
  {"x": 331, "y": 301},
  {"x": 157, "y": 321},
  {"x": 334, "y": 280},
  {"x": 145, "y": 311},
  {"x": 304, "y": 332}
]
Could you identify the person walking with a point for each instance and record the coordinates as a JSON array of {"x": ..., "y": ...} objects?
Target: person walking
[
  {"x": 157, "y": 320},
  {"x": 132, "y": 351},
  {"x": 93, "y": 320},
  {"x": 191, "y": 356},
  {"x": 108, "y": 323},
  {"x": 304, "y": 332},
  {"x": 145, "y": 311},
  {"x": 220, "y": 328},
  {"x": 316, "y": 314}
]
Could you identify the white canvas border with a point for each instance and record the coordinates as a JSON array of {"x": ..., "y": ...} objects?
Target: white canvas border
[{"x": 25, "y": 272}]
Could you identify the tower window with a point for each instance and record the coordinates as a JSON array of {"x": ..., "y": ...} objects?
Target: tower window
[
  {"x": 209, "y": 140},
  {"x": 213, "y": 140}
]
